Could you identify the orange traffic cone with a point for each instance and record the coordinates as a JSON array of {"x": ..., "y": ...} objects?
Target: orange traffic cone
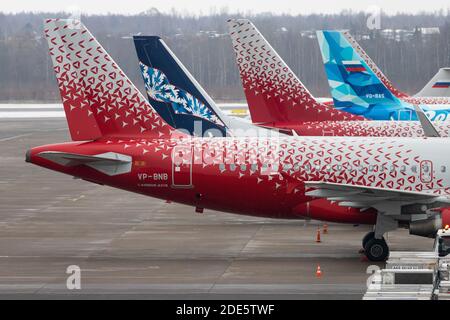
[
  {"x": 318, "y": 235},
  {"x": 318, "y": 271},
  {"x": 325, "y": 228}
]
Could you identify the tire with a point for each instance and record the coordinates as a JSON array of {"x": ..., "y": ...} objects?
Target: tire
[
  {"x": 376, "y": 250},
  {"x": 367, "y": 237}
]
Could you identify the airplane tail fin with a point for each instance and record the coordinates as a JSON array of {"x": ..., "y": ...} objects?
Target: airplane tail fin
[
  {"x": 372, "y": 65},
  {"x": 273, "y": 92},
  {"x": 354, "y": 87},
  {"x": 438, "y": 86},
  {"x": 173, "y": 91},
  {"x": 99, "y": 100}
]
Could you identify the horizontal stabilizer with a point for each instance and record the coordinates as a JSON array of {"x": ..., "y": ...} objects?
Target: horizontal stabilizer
[{"x": 109, "y": 163}]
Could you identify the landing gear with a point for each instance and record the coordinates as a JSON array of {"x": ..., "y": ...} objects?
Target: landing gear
[
  {"x": 376, "y": 249},
  {"x": 374, "y": 244},
  {"x": 367, "y": 237}
]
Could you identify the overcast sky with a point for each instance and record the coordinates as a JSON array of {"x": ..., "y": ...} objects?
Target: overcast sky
[{"x": 206, "y": 6}]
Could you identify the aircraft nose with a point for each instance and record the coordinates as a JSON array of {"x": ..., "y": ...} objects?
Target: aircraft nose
[{"x": 28, "y": 156}]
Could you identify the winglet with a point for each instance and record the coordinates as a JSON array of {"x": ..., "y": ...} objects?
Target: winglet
[{"x": 429, "y": 130}]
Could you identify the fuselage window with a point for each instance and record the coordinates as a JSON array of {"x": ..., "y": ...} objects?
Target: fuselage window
[
  {"x": 443, "y": 169},
  {"x": 414, "y": 169},
  {"x": 232, "y": 167},
  {"x": 221, "y": 166},
  {"x": 243, "y": 167},
  {"x": 402, "y": 169},
  {"x": 254, "y": 167}
]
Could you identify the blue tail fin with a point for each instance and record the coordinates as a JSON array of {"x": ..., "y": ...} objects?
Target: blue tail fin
[
  {"x": 173, "y": 91},
  {"x": 354, "y": 87}
]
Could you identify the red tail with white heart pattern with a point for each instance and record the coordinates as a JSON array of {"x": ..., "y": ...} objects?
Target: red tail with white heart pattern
[
  {"x": 274, "y": 93},
  {"x": 99, "y": 100}
]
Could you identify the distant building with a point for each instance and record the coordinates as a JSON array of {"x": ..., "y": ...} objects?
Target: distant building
[{"x": 430, "y": 31}]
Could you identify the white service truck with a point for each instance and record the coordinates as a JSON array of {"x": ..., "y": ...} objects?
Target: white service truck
[{"x": 414, "y": 275}]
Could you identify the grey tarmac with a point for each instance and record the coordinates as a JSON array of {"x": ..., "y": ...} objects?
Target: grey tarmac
[{"x": 131, "y": 246}]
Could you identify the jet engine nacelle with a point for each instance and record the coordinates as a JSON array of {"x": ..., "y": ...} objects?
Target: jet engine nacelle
[{"x": 428, "y": 228}]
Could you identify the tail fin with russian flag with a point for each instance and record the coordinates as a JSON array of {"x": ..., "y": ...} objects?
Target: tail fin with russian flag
[
  {"x": 99, "y": 100},
  {"x": 274, "y": 93},
  {"x": 438, "y": 86},
  {"x": 355, "y": 88},
  {"x": 373, "y": 66}
]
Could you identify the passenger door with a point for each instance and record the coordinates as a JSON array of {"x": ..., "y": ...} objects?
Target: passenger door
[
  {"x": 182, "y": 167},
  {"x": 426, "y": 171}
]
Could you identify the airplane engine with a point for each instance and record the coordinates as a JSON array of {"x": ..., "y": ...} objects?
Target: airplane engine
[{"x": 428, "y": 228}]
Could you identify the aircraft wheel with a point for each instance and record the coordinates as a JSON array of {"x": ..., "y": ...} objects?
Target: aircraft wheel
[
  {"x": 367, "y": 237},
  {"x": 376, "y": 250}
]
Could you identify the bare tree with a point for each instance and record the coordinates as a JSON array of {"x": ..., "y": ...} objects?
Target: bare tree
[{"x": 408, "y": 54}]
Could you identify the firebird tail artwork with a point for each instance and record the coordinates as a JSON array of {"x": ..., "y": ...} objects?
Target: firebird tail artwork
[
  {"x": 357, "y": 89},
  {"x": 99, "y": 100},
  {"x": 173, "y": 91},
  {"x": 274, "y": 93},
  {"x": 180, "y": 99}
]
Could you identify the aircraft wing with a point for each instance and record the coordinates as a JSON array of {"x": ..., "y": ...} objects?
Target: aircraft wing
[{"x": 388, "y": 201}]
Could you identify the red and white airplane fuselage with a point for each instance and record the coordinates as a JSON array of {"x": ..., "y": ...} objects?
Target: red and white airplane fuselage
[{"x": 260, "y": 177}]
